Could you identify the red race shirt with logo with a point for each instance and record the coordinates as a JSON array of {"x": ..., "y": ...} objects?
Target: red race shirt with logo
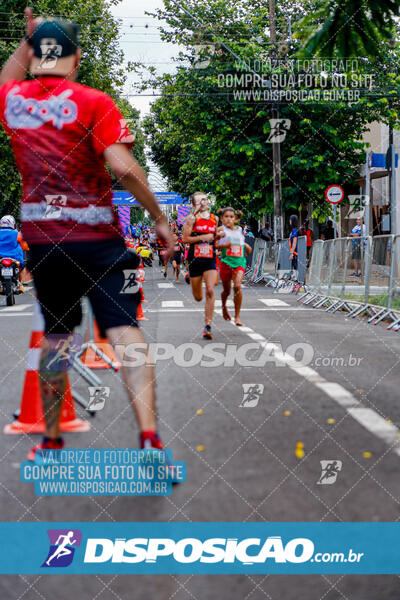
[
  {"x": 59, "y": 131},
  {"x": 203, "y": 249}
]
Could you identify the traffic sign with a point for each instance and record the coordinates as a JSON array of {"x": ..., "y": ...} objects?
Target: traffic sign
[{"x": 334, "y": 194}]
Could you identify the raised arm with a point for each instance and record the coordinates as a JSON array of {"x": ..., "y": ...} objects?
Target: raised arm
[{"x": 18, "y": 63}]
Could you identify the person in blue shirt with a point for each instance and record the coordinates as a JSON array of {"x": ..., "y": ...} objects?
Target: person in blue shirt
[
  {"x": 293, "y": 239},
  {"x": 11, "y": 243},
  {"x": 356, "y": 252}
]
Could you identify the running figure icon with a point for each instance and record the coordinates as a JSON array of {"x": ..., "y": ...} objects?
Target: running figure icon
[{"x": 63, "y": 350}]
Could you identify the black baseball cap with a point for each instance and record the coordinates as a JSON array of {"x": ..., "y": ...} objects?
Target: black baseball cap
[{"x": 60, "y": 32}]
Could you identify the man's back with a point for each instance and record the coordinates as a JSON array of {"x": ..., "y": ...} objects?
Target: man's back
[{"x": 59, "y": 130}]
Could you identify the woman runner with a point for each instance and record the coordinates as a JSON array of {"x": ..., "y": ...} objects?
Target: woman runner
[
  {"x": 233, "y": 260},
  {"x": 176, "y": 259},
  {"x": 199, "y": 231}
]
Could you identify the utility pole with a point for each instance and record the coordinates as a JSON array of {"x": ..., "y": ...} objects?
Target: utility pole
[
  {"x": 276, "y": 146},
  {"x": 392, "y": 182}
]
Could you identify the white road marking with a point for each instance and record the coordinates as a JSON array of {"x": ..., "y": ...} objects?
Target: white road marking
[
  {"x": 165, "y": 285},
  {"x": 294, "y": 309},
  {"x": 16, "y": 308},
  {"x": 368, "y": 418},
  {"x": 377, "y": 425},
  {"x": 257, "y": 337},
  {"x": 273, "y": 302},
  {"x": 16, "y": 314},
  {"x": 172, "y": 304}
]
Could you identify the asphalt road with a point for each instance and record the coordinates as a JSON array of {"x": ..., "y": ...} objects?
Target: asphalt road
[{"x": 244, "y": 463}]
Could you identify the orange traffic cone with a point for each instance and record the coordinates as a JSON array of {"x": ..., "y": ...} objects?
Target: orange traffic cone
[
  {"x": 30, "y": 418},
  {"x": 140, "y": 279},
  {"x": 142, "y": 295},
  {"x": 139, "y": 313},
  {"x": 141, "y": 268},
  {"x": 92, "y": 360}
]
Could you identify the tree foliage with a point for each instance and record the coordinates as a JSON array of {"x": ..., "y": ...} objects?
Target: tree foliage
[
  {"x": 202, "y": 138},
  {"x": 349, "y": 27}
]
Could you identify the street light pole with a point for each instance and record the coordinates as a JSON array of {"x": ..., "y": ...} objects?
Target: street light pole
[{"x": 276, "y": 147}]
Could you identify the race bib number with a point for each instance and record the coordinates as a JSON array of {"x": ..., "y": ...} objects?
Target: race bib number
[
  {"x": 203, "y": 251},
  {"x": 235, "y": 250},
  {"x": 162, "y": 252}
]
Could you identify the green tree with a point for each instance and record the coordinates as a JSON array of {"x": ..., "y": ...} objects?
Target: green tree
[
  {"x": 349, "y": 27},
  {"x": 201, "y": 137}
]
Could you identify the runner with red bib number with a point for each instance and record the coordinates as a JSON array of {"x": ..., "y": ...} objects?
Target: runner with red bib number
[
  {"x": 199, "y": 231},
  {"x": 233, "y": 261}
]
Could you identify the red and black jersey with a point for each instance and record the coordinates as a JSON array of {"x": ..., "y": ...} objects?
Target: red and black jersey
[{"x": 203, "y": 250}]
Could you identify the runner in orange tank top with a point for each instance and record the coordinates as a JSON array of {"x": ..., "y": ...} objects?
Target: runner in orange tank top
[{"x": 200, "y": 232}]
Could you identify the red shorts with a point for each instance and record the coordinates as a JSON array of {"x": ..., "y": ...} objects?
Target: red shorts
[{"x": 226, "y": 272}]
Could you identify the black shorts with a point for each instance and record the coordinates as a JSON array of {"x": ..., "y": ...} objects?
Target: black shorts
[
  {"x": 177, "y": 257},
  {"x": 198, "y": 266},
  {"x": 356, "y": 251},
  {"x": 105, "y": 272}
]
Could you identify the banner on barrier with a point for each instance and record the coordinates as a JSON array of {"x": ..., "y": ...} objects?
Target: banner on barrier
[
  {"x": 124, "y": 214},
  {"x": 183, "y": 212}
]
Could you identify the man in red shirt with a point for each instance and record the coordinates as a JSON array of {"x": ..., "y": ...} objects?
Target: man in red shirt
[{"x": 62, "y": 134}]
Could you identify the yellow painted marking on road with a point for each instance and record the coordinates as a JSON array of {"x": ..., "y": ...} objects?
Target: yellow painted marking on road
[
  {"x": 299, "y": 452},
  {"x": 200, "y": 448},
  {"x": 367, "y": 454},
  {"x": 331, "y": 421}
]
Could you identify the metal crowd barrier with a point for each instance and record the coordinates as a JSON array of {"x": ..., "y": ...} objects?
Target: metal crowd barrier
[
  {"x": 360, "y": 277},
  {"x": 255, "y": 270}
]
